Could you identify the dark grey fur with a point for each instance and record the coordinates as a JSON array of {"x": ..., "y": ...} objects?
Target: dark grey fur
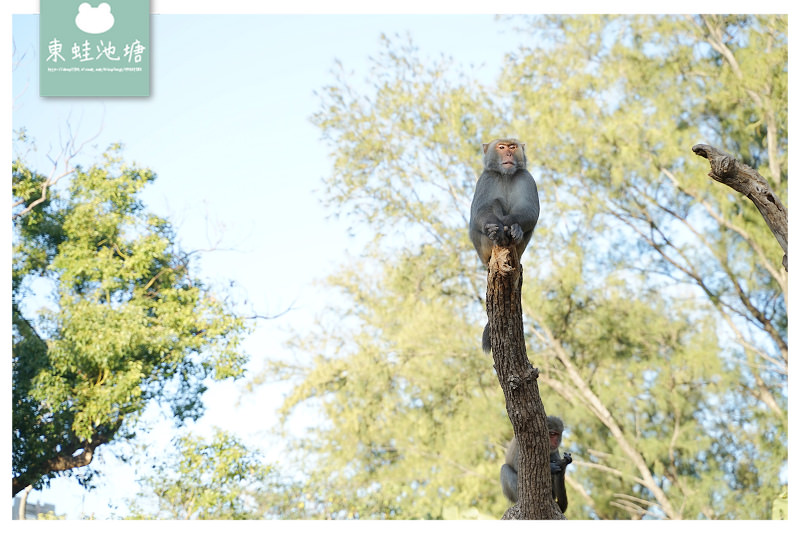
[{"x": 505, "y": 207}]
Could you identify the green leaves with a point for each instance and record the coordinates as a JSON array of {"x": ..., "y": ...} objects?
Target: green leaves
[
  {"x": 127, "y": 321},
  {"x": 205, "y": 479}
]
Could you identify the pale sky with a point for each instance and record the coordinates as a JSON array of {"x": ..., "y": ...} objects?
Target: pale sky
[{"x": 227, "y": 130}]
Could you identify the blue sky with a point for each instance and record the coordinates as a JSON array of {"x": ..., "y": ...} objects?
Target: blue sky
[{"x": 227, "y": 130}]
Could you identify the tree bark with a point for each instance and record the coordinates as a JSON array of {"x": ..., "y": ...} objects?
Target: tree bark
[
  {"x": 743, "y": 179},
  {"x": 518, "y": 379}
]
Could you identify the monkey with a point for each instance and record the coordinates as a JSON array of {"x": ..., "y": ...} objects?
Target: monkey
[
  {"x": 505, "y": 207},
  {"x": 508, "y": 472},
  {"x": 558, "y": 466}
]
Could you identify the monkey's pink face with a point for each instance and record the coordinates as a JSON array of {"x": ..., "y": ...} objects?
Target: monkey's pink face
[
  {"x": 507, "y": 154},
  {"x": 554, "y": 438}
]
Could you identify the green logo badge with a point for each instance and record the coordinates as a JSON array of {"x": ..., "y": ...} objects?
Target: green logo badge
[{"x": 94, "y": 48}]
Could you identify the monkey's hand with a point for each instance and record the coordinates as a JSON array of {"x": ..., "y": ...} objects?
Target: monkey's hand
[
  {"x": 565, "y": 461},
  {"x": 515, "y": 231},
  {"x": 555, "y": 468},
  {"x": 495, "y": 233}
]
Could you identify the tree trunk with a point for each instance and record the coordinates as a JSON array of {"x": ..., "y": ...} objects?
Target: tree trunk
[
  {"x": 518, "y": 380},
  {"x": 743, "y": 179},
  {"x": 23, "y": 503}
]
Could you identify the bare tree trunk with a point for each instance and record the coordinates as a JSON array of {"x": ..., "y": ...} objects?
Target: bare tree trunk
[
  {"x": 741, "y": 178},
  {"x": 518, "y": 380},
  {"x": 23, "y": 502}
]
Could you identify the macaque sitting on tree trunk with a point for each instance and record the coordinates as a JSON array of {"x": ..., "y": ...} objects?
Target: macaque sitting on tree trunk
[{"x": 505, "y": 207}]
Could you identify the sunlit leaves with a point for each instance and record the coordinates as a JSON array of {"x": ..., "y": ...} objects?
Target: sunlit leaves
[
  {"x": 204, "y": 479},
  {"x": 654, "y": 300},
  {"x": 126, "y": 322}
]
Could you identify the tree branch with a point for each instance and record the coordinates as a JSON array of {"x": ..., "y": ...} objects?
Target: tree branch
[
  {"x": 23, "y": 503},
  {"x": 743, "y": 179},
  {"x": 68, "y": 459}
]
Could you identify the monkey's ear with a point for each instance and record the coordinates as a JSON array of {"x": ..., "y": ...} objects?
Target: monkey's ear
[
  {"x": 523, "y": 146},
  {"x": 485, "y": 147}
]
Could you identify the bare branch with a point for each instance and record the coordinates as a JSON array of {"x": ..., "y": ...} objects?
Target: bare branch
[
  {"x": 610, "y": 470},
  {"x": 577, "y": 487},
  {"x": 70, "y": 148},
  {"x": 272, "y": 317},
  {"x": 23, "y": 503},
  {"x": 633, "y": 505},
  {"x": 45, "y": 186},
  {"x": 745, "y": 180}
]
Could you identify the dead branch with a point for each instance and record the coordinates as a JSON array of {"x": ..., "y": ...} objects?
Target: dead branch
[{"x": 740, "y": 177}]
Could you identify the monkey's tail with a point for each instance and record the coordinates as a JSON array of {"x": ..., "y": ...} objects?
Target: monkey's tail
[{"x": 487, "y": 343}]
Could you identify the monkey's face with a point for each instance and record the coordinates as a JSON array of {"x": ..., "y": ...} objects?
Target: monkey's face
[
  {"x": 555, "y": 440},
  {"x": 505, "y": 156}
]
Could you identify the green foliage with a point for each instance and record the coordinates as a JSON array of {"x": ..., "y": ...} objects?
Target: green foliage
[
  {"x": 397, "y": 392},
  {"x": 214, "y": 479},
  {"x": 654, "y": 299},
  {"x": 124, "y": 321}
]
